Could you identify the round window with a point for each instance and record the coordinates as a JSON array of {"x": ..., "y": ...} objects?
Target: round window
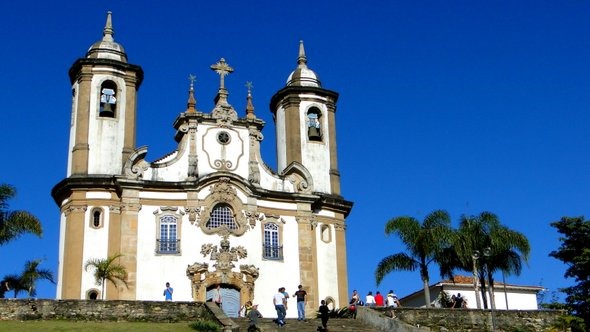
[{"x": 223, "y": 137}]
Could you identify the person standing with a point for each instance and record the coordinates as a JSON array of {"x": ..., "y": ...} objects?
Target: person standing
[
  {"x": 286, "y": 299},
  {"x": 253, "y": 316},
  {"x": 300, "y": 294},
  {"x": 354, "y": 299},
  {"x": 279, "y": 302},
  {"x": 217, "y": 295},
  {"x": 458, "y": 301},
  {"x": 379, "y": 299},
  {"x": 324, "y": 315},
  {"x": 245, "y": 309},
  {"x": 168, "y": 292}
]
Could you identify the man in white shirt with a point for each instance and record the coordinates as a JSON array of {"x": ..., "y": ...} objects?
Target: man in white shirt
[
  {"x": 279, "y": 301},
  {"x": 370, "y": 300}
]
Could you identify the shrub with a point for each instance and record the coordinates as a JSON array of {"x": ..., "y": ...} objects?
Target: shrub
[{"x": 205, "y": 326}]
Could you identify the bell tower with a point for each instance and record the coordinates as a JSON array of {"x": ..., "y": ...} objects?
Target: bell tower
[
  {"x": 104, "y": 100},
  {"x": 304, "y": 115}
]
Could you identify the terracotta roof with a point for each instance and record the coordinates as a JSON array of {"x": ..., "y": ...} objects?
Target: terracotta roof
[{"x": 460, "y": 280}]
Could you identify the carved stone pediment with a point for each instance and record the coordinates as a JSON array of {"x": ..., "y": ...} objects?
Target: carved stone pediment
[
  {"x": 224, "y": 255},
  {"x": 224, "y": 193}
]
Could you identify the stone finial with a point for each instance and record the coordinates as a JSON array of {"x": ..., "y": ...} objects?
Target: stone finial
[
  {"x": 192, "y": 102},
  {"x": 249, "y": 105},
  {"x": 108, "y": 32},
  {"x": 302, "y": 59}
]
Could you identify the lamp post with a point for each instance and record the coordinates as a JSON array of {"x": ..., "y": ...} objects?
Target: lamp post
[
  {"x": 487, "y": 252},
  {"x": 475, "y": 256}
]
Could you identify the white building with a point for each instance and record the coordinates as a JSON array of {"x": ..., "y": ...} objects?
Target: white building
[
  {"x": 508, "y": 297},
  {"x": 211, "y": 212}
]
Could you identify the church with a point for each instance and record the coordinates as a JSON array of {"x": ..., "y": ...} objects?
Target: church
[{"x": 211, "y": 212}]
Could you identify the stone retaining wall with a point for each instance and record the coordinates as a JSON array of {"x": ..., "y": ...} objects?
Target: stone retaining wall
[
  {"x": 407, "y": 319},
  {"x": 468, "y": 320},
  {"x": 150, "y": 311}
]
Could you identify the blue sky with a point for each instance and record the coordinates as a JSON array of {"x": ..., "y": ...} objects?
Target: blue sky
[{"x": 466, "y": 106}]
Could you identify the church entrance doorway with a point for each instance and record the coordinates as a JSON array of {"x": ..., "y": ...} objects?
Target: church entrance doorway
[{"x": 230, "y": 297}]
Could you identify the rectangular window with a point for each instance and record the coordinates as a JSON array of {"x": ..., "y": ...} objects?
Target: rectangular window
[
  {"x": 168, "y": 243},
  {"x": 271, "y": 247}
]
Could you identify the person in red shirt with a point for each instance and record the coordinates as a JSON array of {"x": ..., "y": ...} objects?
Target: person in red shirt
[{"x": 379, "y": 299}]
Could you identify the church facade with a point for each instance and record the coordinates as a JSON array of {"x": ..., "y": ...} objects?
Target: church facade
[{"x": 211, "y": 212}]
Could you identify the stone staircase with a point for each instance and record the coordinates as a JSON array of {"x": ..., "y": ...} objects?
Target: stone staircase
[{"x": 310, "y": 325}]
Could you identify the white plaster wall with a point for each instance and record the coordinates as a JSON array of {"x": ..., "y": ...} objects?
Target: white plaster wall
[
  {"x": 271, "y": 182},
  {"x": 95, "y": 246},
  {"x": 275, "y": 274},
  {"x": 316, "y": 155},
  {"x": 106, "y": 135},
  {"x": 154, "y": 270},
  {"x": 518, "y": 298},
  {"x": 158, "y": 195},
  {"x": 209, "y": 150},
  {"x": 278, "y": 205},
  {"x": 326, "y": 213},
  {"x": 62, "y": 234},
  {"x": 177, "y": 171},
  {"x": 98, "y": 195},
  {"x": 327, "y": 265},
  {"x": 281, "y": 140}
]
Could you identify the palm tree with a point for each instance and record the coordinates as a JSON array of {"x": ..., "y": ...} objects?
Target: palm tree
[
  {"x": 499, "y": 248},
  {"x": 15, "y": 223},
  {"x": 424, "y": 243},
  {"x": 106, "y": 269},
  {"x": 32, "y": 274},
  {"x": 14, "y": 283}
]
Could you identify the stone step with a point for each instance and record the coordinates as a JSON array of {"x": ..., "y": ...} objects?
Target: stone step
[{"x": 311, "y": 325}]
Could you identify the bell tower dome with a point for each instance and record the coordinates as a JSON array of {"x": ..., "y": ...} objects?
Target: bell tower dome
[
  {"x": 104, "y": 100},
  {"x": 304, "y": 115}
]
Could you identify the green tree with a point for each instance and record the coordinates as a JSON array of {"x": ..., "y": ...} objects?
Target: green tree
[
  {"x": 424, "y": 242},
  {"x": 15, "y": 223},
  {"x": 32, "y": 274},
  {"x": 497, "y": 247},
  {"x": 14, "y": 284},
  {"x": 107, "y": 270},
  {"x": 575, "y": 252}
]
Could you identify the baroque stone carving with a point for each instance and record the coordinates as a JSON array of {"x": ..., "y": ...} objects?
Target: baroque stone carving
[
  {"x": 223, "y": 164},
  {"x": 136, "y": 165},
  {"x": 225, "y": 255},
  {"x": 193, "y": 214},
  {"x": 254, "y": 176},
  {"x": 252, "y": 217},
  {"x": 223, "y": 191},
  {"x": 299, "y": 183}
]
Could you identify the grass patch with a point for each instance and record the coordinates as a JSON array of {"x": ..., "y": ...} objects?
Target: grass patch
[
  {"x": 205, "y": 326},
  {"x": 66, "y": 326}
]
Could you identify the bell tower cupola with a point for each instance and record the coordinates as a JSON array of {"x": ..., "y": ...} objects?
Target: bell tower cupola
[
  {"x": 104, "y": 102},
  {"x": 304, "y": 115}
]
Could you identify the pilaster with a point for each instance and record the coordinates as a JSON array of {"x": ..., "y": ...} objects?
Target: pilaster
[{"x": 73, "y": 250}]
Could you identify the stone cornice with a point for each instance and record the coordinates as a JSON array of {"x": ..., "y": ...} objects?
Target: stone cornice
[{"x": 77, "y": 66}]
